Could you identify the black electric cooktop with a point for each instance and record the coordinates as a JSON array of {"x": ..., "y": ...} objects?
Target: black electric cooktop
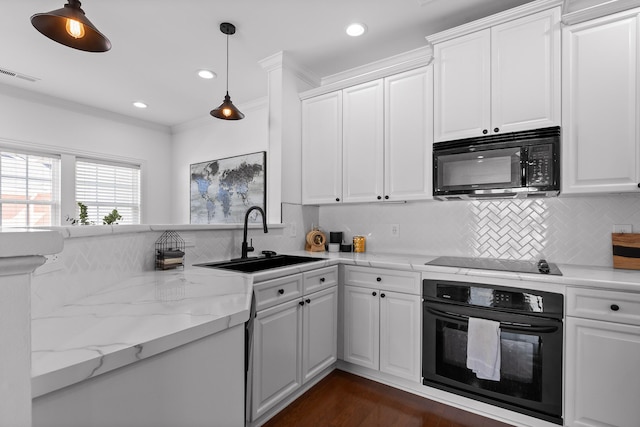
[{"x": 534, "y": 267}]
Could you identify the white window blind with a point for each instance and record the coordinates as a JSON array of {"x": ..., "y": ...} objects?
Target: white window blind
[
  {"x": 103, "y": 187},
  {"x": 29, "y": 189}
]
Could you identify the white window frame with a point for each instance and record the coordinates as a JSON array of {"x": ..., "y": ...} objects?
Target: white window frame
[
  {"x": 55, "y": 201},
  {"x": 117, "y": 194},
  {"x": 67, "y": 207}
]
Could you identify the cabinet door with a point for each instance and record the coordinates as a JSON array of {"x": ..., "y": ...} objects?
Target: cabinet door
[
  {"x": 276, "y": 355},
  {"x": 322, "y": 149},
  {"x": 408, "y": 101},
  {"x": 400, "y": 335},
  {"x": 362, "y": 142},
  {"x": 525, "y": 73},
  {"x": 603, "y": 379},
  {"x": 320, "y": 332},
  {"x": 600, "y": 112},
  {"x": 361, "y": 326},
  {"x": 462, "y": 86}
]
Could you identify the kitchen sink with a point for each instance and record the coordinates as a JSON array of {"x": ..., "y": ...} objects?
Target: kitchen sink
[{"x": 252, "y": 265}]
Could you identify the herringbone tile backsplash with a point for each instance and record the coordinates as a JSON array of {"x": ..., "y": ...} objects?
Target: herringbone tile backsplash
[{"x": 574, "y": 230}]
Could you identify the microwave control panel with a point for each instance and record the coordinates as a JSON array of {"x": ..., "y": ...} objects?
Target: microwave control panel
[{"x": 540, "y": 165}]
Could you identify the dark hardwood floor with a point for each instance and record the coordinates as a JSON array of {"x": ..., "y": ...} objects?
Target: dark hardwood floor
[{"x": 343, "y": 399}]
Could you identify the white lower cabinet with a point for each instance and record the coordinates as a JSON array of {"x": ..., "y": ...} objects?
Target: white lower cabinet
[
  {"x": 382, "y": 327},
  {"x": 295, "y": 339},
  {"x": 603, "y": 359},
  {"x": 277, "y": 341},
  {"x": 320, "y": 332}
]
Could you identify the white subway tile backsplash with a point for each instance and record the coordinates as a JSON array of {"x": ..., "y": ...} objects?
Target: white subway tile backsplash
[{"x": 574, "y": 230}]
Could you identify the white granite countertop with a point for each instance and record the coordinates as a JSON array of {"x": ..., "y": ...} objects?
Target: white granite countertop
[
  {"x": 160, "y": 310},
  {"x": 15, "y": 242},
  {"x": 135, "y": 319}
]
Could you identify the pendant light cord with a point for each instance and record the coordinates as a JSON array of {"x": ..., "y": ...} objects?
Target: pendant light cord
[{"x": 227, "y": 64}]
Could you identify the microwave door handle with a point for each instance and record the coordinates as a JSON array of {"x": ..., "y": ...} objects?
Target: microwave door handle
[
  {"x": 524, "y": 166},
  {"x": 511, "y": 326}
]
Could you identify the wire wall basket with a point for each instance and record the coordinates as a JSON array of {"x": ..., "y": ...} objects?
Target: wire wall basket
[{"x": 169, "y": 251}]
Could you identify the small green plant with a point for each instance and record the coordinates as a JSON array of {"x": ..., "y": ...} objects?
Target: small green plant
[
  {"x": 112, "y": 218},
  {"x": 83, "y": 218}
]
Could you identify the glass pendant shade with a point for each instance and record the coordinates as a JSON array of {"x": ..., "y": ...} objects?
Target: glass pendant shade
[
  {"x": 227, "y": 111},
  {"x": 70, "y": 27}
]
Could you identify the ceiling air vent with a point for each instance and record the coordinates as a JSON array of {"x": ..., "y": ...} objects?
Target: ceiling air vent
[{"x": 10, "y": 73}]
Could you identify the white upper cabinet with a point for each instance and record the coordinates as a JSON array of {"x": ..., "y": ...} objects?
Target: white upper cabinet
[
  {"x": 505, "y": 78},
  {"x": 362, "y": 142},
  {"x": 525, "y": 73},
  {"x": 601, "y": 144},
  {"x": 408, "y": 135},
  {"x": 322, "y": 149},
  {"x": 384, "y": 132},
  {"x": 462, "y": 86}
]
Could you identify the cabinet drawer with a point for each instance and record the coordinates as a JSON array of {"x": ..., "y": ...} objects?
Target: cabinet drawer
[
  {"x": 320, "y": 279},
  {"x": 379, "y": 278},
  {"x": 622, "y": 307},
  {"x": 276, "y": 291}
]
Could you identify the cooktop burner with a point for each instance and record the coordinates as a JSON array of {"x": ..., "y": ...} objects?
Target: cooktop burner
[{"x": 535, "y": 267}]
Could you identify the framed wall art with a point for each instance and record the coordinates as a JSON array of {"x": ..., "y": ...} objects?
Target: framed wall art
[{"x": 222, "y": 190}]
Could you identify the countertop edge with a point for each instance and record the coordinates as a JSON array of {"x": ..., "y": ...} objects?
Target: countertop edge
[{"x": 64, "y": 377}]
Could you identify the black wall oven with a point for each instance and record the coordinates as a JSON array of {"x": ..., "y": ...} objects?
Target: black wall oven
[{"x": 530, "y": 340}]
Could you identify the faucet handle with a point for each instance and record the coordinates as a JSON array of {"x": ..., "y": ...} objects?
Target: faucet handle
[{"x": 250, "y": 248}]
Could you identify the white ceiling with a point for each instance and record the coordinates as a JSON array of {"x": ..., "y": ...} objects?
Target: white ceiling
[{"x": 158, "y": 45}]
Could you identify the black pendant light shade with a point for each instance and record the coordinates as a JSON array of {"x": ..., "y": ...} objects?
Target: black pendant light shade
[
  {"x": 226, "y": 110},
  {"x": 70, "y": 27}
]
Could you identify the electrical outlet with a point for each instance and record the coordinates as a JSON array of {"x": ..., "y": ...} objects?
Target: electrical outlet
[
  {"x": 623, "y": 228},
  {"x": 51, "y": 259},
  {"x": 395, "y": 230},
  {"x": 293, "y": 230}
]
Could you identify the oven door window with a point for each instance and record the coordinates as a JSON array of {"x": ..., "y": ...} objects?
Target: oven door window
[
  {"x": 499, "y": 168},
  {"x": 521, "y": 361}
]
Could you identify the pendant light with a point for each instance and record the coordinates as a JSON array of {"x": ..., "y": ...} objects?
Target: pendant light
[
  {"x": 70, "y": 27},
  {"x": 226, "y": 110}
]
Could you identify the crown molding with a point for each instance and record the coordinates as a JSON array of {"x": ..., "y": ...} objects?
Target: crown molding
[
  {"x": 490, "y": 21},
  {"x": 40, "y": 98},
  {"x": 386, "y": 67},
  {"x": 283, "y": 60},
  {"x": 595, "y": 11}
]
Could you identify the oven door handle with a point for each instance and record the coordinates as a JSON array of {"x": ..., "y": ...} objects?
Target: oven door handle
[{"x": 512, "y": 326}]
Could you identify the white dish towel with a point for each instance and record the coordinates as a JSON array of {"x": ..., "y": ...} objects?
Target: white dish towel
[{"x": 483, "y": 348}]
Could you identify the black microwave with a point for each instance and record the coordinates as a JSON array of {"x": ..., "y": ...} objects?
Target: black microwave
[{"x": 511, "y": 165}]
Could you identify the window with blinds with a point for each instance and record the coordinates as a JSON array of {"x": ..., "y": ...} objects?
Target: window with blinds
[
  {"x": 29, "y": 189},
  {"x": 103, "y": 187}
]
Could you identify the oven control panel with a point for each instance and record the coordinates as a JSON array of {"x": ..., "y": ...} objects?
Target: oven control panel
[
  {"x": 488, "y": 296},
  {"x": 492, "y": 298}
]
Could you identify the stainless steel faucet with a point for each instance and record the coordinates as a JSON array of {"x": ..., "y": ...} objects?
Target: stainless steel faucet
[{"x": 245, "y": 247}]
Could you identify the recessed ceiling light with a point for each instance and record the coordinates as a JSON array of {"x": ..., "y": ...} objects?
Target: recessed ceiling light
[
  {"x": 139, "y": 104},
  {"x": 207, "y": 74},
  {"x": 356, "y": 29}
]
